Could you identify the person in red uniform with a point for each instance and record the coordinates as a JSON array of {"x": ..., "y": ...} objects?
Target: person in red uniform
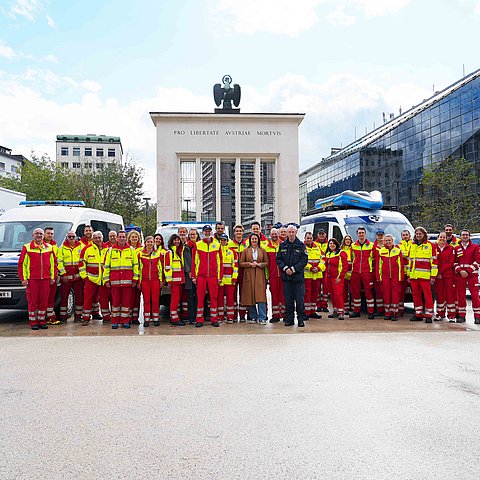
[
  {"x": 322, "y": 244},
  {"x": 390, "y": 272},
  {"x": 404, "y": 246},
  {"x": 226, "y": 290},
  {"x": 467, "y": 260},
  {"x": 150, "y": 281},
  {"x": 48, "y": 238},
  {"x": 121, "y": 274},
  {"x": 207, "y": 275},
  {"x": 362, "y": 255},
  {"x": 422, "y": 272},
  {"x": 237, "y": 245},
  {"x": 445, "y": 281},
  {"x": 175, "y": 276},
  {"x": 274, "y": 279},
  {"x": 336, "y": 263},
  {"x": 36, "y": 270},
  {"x": 313, "y": 274},
  {"x": 91, "y": 271},
  {"x": 346, "y": 246},
  {"x": 451, "y": 238},
  {"x": 133, "y": 239},
  {"x": 377, "y": 285},
  {"x": 68, "y": 257}
]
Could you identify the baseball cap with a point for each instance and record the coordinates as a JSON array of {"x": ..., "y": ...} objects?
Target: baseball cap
[
  {"x": 223, "y": 236},
  {"x": 321, "y": 230},
  {"x": 206, "y": 227},
  {"x": 380, "y": 232}
]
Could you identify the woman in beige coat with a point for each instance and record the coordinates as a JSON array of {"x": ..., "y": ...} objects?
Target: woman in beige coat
[{"x": 254, "y": 260}]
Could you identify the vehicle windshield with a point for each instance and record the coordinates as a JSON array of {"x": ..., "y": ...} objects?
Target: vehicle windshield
[
  {"x": 394, "y": 229},
  {"x": 13, "y": 235}
]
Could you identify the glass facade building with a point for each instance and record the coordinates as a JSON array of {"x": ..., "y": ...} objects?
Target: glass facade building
[{"x": 391, "y": 157}]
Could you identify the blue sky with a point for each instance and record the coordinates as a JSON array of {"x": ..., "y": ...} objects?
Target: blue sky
[{"x": 101, "y": 66}]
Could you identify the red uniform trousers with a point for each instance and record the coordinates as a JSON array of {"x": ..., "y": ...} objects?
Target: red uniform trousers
[
  {"x": 336, "y": 294},
  {"x": 226, "y": 296},
  {"x": 121, "y": 304},
  {"x": 460, "y": 287},
  {"x": 240, "y": 310},
  {"x": 51, "y": 302},
  {"x": 322, "y": 301},
  {"x": 312, "y": 287},
  {"x": 151, "y": 300},
  {"x": 65, "y": 288},
  {"x": 356, "y": 281},
  {"x": 204, "y": 284},
  {"x": 392, "y": 288},
  {"x": 346, "y": 294},
  {"x": 135, "y": 303},
  {"x": 104, "y": 297},
  {"x": 446, "y": 297},
  {"x": 403, "y": 291},
  {"x": 422, "y": 297},
  {"x": 184, "y": 309},
  {"x": 37, "y": 299},
  {"x": 90, "y": 294},
  {"x": 176, "y": 289},
  {"x": 278, "y": 299},
  {"x": 379, "y": 296}
]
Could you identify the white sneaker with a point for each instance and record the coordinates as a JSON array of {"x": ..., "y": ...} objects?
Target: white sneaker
[
  {"x": 263, "y": 322},
  {"x": 229, "y": 321}
]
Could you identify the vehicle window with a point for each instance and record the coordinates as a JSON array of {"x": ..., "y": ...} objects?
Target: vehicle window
[
  {"x": 13, "y": 235},
  {"x": 80, "y": 229},
  {"x": 337, "y": 233},
  {"x": 394, "y": 229},
  {"x": 116, "y": 227},
  {"x": 100, "y": 226},
  {"x": 318, "y": 226}
]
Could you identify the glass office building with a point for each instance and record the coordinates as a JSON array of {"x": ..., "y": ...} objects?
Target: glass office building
[{"x": 391, "y": 157}]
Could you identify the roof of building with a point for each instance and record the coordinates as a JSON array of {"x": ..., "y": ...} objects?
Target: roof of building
[
  {"x": 395, "y": 122},
  {"x": 93, "y": 138}
]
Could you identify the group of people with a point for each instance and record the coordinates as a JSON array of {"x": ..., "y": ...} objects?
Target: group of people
[{"x": 225, "y": 279}]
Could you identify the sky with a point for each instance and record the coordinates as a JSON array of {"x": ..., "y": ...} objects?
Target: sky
[{"x": 102, "y": 66}]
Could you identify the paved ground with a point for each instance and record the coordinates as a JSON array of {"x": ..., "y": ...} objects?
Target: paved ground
[{"x": 346, "y": 405}]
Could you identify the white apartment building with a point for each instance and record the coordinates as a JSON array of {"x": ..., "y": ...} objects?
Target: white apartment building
[
  {"x": 10, "y": 164},
  {"x": 91, "y": 151}
]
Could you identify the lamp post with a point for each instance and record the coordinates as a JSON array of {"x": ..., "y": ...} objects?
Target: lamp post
[
  {"x": 146, "y": 215},
  {"x": 187, "y": 201}
]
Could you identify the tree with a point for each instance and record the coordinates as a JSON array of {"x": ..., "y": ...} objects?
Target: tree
[
  {"x": 449, "y": 195},
  {"x": 139, "y": 219},
  {"x": 116, "y": 188}
]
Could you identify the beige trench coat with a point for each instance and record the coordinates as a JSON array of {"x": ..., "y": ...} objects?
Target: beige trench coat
[{"x": 254, "y": 284}]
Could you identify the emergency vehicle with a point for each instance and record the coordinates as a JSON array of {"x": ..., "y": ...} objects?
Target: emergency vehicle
[
  {"x": 342, "y": 214},
  {"x": 16, "y": 228}
]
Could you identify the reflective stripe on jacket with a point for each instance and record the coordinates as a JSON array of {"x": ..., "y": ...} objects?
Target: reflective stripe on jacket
[
  {"x": 423, "y": 261},
  {"x": 36, "y": 262}
]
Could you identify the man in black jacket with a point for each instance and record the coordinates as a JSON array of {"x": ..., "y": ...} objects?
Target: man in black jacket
[{"x": 292, "y": 258}]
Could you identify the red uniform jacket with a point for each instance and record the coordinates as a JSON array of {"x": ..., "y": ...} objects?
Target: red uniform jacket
[
  {"x": 467, "y": 258},
  {"x": 446, "y": 259}
]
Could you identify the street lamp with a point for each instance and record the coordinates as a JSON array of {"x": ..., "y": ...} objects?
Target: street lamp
[
  {"x": 187, "y": 201},
  {"x": 146, "y": 215}
]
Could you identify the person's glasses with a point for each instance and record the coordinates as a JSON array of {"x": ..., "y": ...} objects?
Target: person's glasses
[{"x": 71, "y": 236}]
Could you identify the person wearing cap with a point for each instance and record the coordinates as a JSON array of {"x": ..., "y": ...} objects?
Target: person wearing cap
[
  {"x": 36, "y": 270},
  {"x": 377, "y": 283},
  {"x": 322, "y": 243},
  {"x": 207, "y": 275},
  {"x": 226, "y": 289}
]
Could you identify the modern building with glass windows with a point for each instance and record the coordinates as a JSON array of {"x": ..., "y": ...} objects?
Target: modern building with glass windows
[{"x": 391, "y": 157}]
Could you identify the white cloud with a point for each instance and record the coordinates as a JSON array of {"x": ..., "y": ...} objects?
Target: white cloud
[
  {"x": 50, "y": 58},
  {"x": 51, "y": 22},
  {"x": 339, "y": 18},
  {"x": 6, "y": 51},
  {"x": 91, "y": 85},
  {"x": 25, "y": 8},
  {"x": 272, "y": 16},
  {"x": 378, "y": 8}
]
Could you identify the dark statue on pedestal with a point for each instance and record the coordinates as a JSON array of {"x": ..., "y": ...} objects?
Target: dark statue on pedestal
[{"x": 228, "y": 94}]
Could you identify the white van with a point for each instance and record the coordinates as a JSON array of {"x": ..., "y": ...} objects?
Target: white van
[
  {"x": 16, "y": 228},
  {"x": 338, "y": 217}
]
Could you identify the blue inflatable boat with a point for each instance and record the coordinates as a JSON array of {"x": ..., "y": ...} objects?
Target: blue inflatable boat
[{"x": 369, "y": 200}]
